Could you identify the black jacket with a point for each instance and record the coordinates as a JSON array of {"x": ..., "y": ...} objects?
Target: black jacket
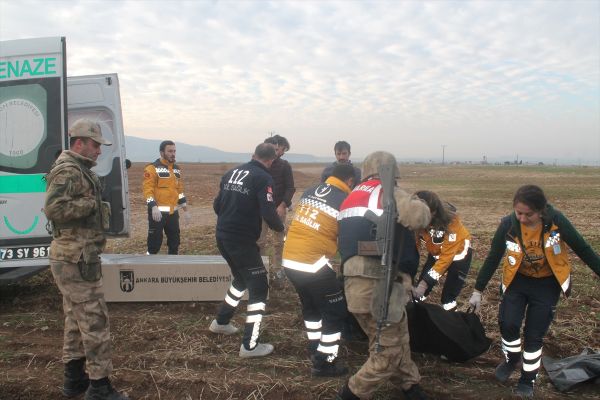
[
  {"x": 283, "y": 182},
  {"x": 245, "y": 198},
  {"x": 329, "y": 169}
]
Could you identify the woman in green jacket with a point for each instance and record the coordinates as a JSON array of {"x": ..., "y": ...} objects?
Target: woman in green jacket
[{"x": 533, "y": 240}]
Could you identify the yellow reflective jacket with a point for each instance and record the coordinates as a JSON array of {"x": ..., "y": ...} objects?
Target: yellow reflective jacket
[
  {"x": 312, "y": 236},
  {"x": 446, "y": 246},
  {"x": 163, "y": 186},
  {"x": 557, "y": 234}
]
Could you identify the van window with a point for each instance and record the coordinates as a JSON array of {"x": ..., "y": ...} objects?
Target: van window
[{"x": 30, "y": 134}]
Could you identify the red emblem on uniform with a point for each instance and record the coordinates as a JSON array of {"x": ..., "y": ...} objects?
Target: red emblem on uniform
[
  {"x": 269, "y": 194},
  {"x": 146, "y": 175}
]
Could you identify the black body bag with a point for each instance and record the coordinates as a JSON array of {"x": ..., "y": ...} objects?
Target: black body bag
[{"x": 456, "y": 335}]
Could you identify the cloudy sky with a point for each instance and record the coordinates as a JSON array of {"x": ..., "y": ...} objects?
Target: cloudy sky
[{"x": 494, "y": 78}]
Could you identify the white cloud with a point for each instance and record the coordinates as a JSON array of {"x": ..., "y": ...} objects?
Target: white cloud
[{"x": 405, "y": 76}]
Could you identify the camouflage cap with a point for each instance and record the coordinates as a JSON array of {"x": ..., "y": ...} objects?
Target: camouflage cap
[
  {"x": 372, "y": 162},
  {"x": 86, "y": 128}
]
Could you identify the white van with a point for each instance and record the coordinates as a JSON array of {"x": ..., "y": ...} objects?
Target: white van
[{"x": 37, "y": 105}]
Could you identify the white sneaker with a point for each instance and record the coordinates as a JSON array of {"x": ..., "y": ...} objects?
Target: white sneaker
[
  {"x": 261, "y": 350},
  {"x": 228, "y": 329}
]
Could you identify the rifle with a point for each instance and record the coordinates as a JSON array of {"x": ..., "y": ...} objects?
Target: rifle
[{"x": 385, "y": 292}]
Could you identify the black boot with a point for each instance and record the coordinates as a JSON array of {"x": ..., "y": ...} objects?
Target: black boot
[
  {"x": 505, "y": 369},
  {"x": 525, "y": 386},
  {"x": 346, "y": 394},
  {"x": 311, "y": 347},
  {"x": 103, "y": 390},
  {"x": 415, "y": 393},
  {"x": 322, "y": 367},
  {"x": 76, "y": 380}
]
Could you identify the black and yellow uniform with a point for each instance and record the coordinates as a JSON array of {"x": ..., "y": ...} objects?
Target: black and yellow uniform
[
  {"x": 536, "y": 269},
  {"x": 163, "y": 187},
  {"x": 310, "y": 245},
  {"x": 449, "y": 252}
]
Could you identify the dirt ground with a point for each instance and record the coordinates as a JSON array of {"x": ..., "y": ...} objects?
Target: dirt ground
[{"x": 164, "y": 350}]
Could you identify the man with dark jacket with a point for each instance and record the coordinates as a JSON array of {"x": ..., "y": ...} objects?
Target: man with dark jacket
[
  {"x": 283, "y": 191},
  {"x": 246, "y": 198},
  {"x": 342, "y": 156}
]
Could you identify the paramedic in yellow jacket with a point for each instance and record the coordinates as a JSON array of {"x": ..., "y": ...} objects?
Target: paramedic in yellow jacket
[
  {"x": 163, "y": 189},
  {"x": 448, "y": 245},
  {"x": 533, "y": 240},
  {"x": 310, "y": 246}
]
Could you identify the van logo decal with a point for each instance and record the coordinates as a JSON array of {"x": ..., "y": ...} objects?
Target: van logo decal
[
  {"x": 21, "y": 232},
  {"x": 126, "y": 280},
  {"x": 323, "y": 191}
]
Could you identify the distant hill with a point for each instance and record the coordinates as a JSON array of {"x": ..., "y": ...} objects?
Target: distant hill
[
  {"x": 146, "y": 150},
  {"x": 139, "y": 149}
]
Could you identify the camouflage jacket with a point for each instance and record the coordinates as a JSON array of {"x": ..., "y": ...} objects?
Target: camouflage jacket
[{"x": 73, "y": 207}]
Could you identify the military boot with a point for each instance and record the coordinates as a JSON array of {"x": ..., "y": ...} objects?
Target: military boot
[
  {"x": 346, "y": 394},
  {"x": 103, "y": 391},
  {"x": 415, "y": 393},
  {"x": 76, "y": 380}
]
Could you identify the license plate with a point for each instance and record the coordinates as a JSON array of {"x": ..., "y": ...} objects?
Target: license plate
[{"x": 21, "y": 253}]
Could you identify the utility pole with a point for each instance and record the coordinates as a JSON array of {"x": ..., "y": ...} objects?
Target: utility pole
[{"x": 444, "y": 154}]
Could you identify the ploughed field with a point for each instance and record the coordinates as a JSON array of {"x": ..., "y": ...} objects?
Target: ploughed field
[{"x": 165, "y": 351}]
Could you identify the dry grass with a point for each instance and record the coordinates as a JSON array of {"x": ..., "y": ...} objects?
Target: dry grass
[{"x": 164, "y": 350}]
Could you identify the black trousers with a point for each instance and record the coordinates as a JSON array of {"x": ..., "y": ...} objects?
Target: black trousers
[
  {"x": 249, "y": 273},
  {"x": 455, "y": 277},
  {"x": 169, "y": 223},
  {"x": 535, "y": 299},
  {"x": 324, "y": 309}
]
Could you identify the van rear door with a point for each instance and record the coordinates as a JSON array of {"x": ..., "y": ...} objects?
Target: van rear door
[
  {"x": 97, "y": 97},
  {"x": 32, "y": 135}
]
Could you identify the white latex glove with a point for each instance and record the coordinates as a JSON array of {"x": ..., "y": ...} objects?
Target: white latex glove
[
  {"x": 282, "y": 211},
  {"x": 187, "y": 216},
  {"x": 419, "y": 291},
  {"x": 156, "y": 214},
  {"x": 475, "y": 300}
]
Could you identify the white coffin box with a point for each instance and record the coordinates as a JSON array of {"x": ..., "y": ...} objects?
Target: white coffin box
[{"x": 131, "y": 277}]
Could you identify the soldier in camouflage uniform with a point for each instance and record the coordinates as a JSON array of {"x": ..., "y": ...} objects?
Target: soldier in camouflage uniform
[
  {"x": 392, "y": 361},
  {"x": 79, "y": 217}
]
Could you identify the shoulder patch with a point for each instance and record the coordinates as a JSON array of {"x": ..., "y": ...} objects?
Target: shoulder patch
[{"x": 59, "y": 179}]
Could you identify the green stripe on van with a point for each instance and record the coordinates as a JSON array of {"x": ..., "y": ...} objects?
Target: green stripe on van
[{"x": 34, "y": 183}]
